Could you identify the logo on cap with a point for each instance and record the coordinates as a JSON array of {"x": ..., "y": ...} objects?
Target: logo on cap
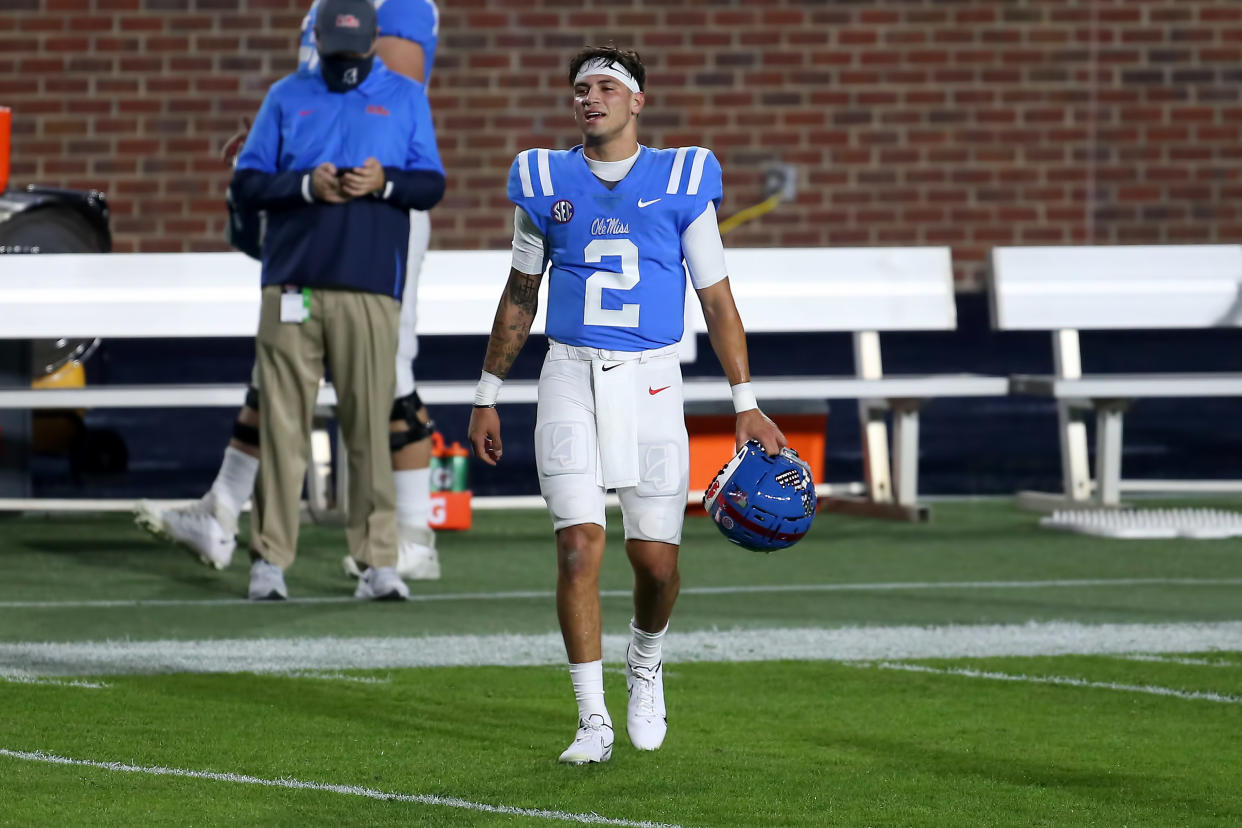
[{"x": 347, "y": 21}]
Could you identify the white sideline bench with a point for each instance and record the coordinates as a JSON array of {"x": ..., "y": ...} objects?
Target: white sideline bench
[
  {"x": 863, "y": 291},
  {"x": 1065, "y": 289}
]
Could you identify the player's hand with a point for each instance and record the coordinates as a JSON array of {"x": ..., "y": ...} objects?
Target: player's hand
[
  {"x": 484, "y": 435},
  {"x": 233, "y": 145},
  {"x": 755, "y": 425},
  {"x": 360, "y": 181},
  {"x": 325, "y": 186}
]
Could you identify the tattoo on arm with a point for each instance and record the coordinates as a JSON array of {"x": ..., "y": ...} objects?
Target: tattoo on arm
[
  {"x": 512, "y": 324},
  {"x": 524, "y": 291}
]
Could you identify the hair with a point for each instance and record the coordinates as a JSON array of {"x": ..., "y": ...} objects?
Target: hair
[{"x": 627, "y": 58}]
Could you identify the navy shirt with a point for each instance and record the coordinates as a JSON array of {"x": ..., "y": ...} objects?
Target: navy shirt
[{"x": 361, "y": 244}]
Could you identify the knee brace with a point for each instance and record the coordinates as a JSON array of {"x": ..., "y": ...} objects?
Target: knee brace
[
  {"x": 247, "y": 434},
  {"x": 243, "y": 433},
  {"x": 405, "y": 410}
]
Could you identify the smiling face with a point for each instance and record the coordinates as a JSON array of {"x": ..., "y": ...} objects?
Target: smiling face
[{"x": 606, "y": 112}]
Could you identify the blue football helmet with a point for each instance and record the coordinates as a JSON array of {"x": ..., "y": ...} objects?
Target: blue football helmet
[{"x": 760, "y": 502}]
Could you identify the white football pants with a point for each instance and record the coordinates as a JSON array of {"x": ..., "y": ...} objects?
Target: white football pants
[{"x": 649, "y": 436}]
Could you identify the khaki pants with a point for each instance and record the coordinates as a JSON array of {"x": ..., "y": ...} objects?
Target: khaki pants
[{"x": 357, "y": 332}]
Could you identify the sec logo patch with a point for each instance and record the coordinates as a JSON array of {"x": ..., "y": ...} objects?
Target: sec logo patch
[{"x": 562, "y": 211}]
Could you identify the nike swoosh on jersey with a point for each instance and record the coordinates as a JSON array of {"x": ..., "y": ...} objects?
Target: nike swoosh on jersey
[
  {"x": 654, "y": 391},
  {"x": 615, "y": 365},
  {"x": 642, "y": 203}
]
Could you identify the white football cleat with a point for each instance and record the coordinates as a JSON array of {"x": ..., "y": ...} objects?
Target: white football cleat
[
  {"x": 202, "y": 527},
  {"x": 417, "y": 558},
  {"x": 646, "y": 720},
  {"x": 267, "y": 582},
  {"x": 592, "y": 743},
  {"x": 381, "y": 583}
]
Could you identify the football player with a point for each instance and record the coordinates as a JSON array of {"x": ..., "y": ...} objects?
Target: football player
[
  {"x": 409, "y": 31},
  {"x": 616, "y": 220}
]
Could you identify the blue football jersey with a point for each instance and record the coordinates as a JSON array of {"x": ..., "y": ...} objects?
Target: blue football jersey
[
  {"x": 416, "y": 20},
  {"x": 617, "y": 279}
]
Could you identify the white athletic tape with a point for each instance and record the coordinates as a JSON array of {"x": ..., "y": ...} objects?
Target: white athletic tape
[
  {"x": 262, "y": 655},
  {"x": 1068, "y": 681},
  {"x": 350, "y": 790}
]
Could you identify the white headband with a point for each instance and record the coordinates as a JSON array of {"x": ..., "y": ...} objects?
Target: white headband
[{"x": 604, "y": 66}]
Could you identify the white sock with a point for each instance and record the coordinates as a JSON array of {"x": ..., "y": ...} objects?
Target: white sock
[
  {"x": 645, "y": 647},
  {"x": 235, "y": 482},
  {"x": 413, "y": 497},
  {"x": 588, "y": 679}
]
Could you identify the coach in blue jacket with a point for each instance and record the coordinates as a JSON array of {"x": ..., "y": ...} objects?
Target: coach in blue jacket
[{"x": 337, "y": 159}]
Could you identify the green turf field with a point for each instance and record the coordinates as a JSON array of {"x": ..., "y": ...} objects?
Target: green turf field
[{"x": 978, "y": 670}]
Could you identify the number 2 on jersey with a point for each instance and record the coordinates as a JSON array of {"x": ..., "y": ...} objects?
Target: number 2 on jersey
[{"x": 594, "y": 312}]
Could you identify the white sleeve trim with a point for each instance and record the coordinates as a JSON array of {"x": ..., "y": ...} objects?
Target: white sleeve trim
[
  {"x": 545, "y": 172},
  {"x": 387, "y": 189},
  {"x": 696, "y": 171},
  {"x": 529, "y": 250},
  {"x": 523, "y": 159},
  {"x": 306, "y": 190},
  {"x": 674, "y": 177},
  {"x": 703, "y": 249}
]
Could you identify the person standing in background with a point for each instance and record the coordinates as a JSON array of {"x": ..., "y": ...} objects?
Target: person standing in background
[
  {"x": 337, "y": 159},
  {"x": 408, "y": 36}
]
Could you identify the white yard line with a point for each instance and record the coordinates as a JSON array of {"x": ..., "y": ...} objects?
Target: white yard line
[
  {"x": 349, "y": 790},
  {"x": 511, "y": 650},
  {"x": 525, "y": 595},
  {"x": 22, "y": 677},
  {"x": 322, "y": 676},
  {"x": 1067, "y": 681},
  {"x": 1164, "y": 659}
]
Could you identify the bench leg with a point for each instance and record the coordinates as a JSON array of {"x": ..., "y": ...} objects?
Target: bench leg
[
  {"x": 871, "y": 417},
  {"x": 1108, "y": 431},
  {"x": 319, "y": 471},
  {"x": 342, "y": 473},
  {"x": 1075, "y": 462},
  {"x": 906, "y": 450},
  {"x": 1071, "y": 427},
  {"x": 876, "y": 473}
]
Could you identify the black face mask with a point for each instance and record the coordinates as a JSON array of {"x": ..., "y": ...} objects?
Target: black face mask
[{"x": 342, "y": 74}]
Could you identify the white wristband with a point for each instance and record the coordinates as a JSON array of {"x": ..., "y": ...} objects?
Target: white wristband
[
  {"x": 488, "y": 389},
  {"x": 743, "y": 397}
]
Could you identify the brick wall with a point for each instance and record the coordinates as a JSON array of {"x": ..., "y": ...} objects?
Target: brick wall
[{"x": 970, "y": 123}]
